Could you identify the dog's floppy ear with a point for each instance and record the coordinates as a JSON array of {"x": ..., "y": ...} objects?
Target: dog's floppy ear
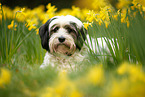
[
  {"x": 81, "y": 37},
  {"x": 44, "y": 34}
]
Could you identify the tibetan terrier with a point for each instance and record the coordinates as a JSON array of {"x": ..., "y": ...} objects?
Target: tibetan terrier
[{"x": 63, "y": 37}]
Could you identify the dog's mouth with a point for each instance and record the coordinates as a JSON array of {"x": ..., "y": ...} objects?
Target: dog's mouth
[{"x": 63, "y": 48}]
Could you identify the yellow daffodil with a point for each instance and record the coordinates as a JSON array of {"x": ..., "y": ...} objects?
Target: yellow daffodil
[
  {"x": 98, "y": 4},
  {"x": 134, "y": 72},
  {"x": 106, "y": 23},
  {"x": 50, "y": 8},
  {"x": 86, "y": 25},
  {"x": 32, "y": 27},
  {"x": 123, "y": 3},
  {"x": 11, "y": 25},
  {"x": 142, "y": 2},
  {"x": 0, "y": 17},
  {"x": 119, "y": 89},
  {"x": 20, "y": 14},
  {"x": 76, "y": 11},
  {"x": 37, "y": 31},
  {"x": 5, "y": 77},
  {"x": 63, "y": 88},
  {"x": 7, "y": 12},
  {"x": 75, "y": 94},
  {"x": 0, "y": 6},
  {"x": 31, "y": 24},
  {"x": 96, "y": 75},
  {"x": 115, "y": 17},
  {"x": 128, "y": 24},
  {"x": 91, "y": 16},
  {"x": 132, "y": 84}
]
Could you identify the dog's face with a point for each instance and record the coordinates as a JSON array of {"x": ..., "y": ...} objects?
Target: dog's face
[{"x": 62, "y": 34}]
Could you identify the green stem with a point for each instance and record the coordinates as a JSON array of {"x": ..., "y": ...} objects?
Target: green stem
[
  {"x": 19, "y": 44},
  {"x": 5, "y": 35},
  {"x": 11, "y": 41}
]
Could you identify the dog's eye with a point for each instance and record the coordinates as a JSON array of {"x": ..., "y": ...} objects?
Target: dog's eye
[
  {"x": 55, "y": 29},
  {"x": 70, "y": 30}
]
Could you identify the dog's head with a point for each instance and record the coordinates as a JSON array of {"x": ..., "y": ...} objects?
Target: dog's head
[{"x": 62, "y": 34}]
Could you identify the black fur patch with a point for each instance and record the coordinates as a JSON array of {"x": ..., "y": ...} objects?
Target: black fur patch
[
  {"x": 44, "y": 34},
  {"x": 81, "y": 35}
]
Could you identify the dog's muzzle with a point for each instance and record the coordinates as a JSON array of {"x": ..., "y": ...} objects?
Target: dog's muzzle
[{"x": 62, "y": 45}]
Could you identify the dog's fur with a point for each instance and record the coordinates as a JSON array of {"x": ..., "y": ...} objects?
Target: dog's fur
[{"x": 63, "y": 37}]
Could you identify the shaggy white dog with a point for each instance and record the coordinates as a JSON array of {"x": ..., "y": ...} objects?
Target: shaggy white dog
[{"x": 63, "y": 37}]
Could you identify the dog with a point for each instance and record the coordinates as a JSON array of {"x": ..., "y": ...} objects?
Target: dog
[{"x": 63, "y": 37}]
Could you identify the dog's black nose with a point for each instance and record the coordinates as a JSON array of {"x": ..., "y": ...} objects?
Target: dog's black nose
[{"x": 61, "y": 39}]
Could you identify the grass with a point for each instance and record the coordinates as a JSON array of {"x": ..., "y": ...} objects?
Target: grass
[{"x": 21, "y": 55}]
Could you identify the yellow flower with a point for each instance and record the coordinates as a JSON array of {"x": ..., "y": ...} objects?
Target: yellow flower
[
  {"x": 135, "y": 72},
  {"x": 132, "y": 84},
  {"x": 0, "y": 6},
  {"x": 11, "y": 25},
  {"x": 37, "y": 31},
  {"x": 142, "y": 2},
  {"x": 123, "y": 3},
  {"x": 86, "y": 25},
  {"x": 96, "y": 75},
  {"x": 128, "y": 24},
  {"x": 0, "y": 17},
  {"x": 20, "y": 15},
  {"x": 76, "y": 94},
  {"x": 64, "y": 12},
  {"x": 107, "y": 23},
  {"x": 63, "y": 87},
  {"x": 31, "y": 24},
  {"x": 91, "y": 16},
  {"x": 48, "y": 92},
  {"x": 92, "y": 4},
  {"x": 63, "y": 84},
  {"x": 7, "y": 12},
  {"x": 31, "y": 27},
  {"x": 5, "y": 77},
  {"x": 98, "y": 4},
  {"x": 84, "y": 14},
  {"x": 99, "y": 21},
  {"x": 119, "y": 89},
  {"x": 133, "y": 7},
  {"x": 22, "y": 9},
  {"x": 76, "y": 11},
  {"x": 50, "y": 10},
  {"x": 115, "y": 17}
]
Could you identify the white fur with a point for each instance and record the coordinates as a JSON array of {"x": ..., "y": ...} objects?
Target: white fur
[
  {"x": 99, "y": 45},
  {"x": 53, "y": 41},
  {"x": 65, "y": 20},
  {"x": 57, "y": 55},
  {"x": 63, "y": 62}
]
